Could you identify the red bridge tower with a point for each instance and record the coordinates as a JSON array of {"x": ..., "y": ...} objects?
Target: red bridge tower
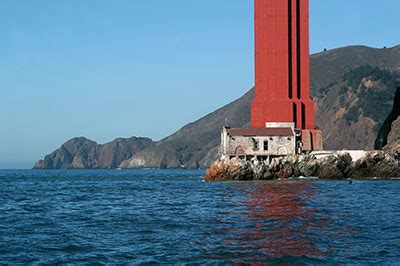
[{"x": 282, "y": 69}]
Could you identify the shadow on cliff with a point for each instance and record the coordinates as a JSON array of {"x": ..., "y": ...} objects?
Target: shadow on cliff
[{"x": 382, "y": 139}]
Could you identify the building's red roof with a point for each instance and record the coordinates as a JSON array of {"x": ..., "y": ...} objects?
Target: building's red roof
[{"x": 264, "y": 132}]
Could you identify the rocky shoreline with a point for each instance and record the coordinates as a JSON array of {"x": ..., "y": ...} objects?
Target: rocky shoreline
[{"x": 334, "y": 165}]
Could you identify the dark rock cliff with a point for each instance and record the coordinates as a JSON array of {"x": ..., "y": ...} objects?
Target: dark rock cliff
[
  {"x": 394, "y": 137},
  {"x": 390, "y": 126}
]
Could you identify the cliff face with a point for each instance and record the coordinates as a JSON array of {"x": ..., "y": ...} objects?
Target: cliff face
[
  {"x": 394, "y": 137},
  {"x": 389, "y": 134},
  {"x": 353, "y": 88},
  {"x": 82, "y": 153}
]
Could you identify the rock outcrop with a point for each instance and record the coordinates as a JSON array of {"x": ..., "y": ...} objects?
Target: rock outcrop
[
  {"x": 340, "y": 165},
  {"x": 82, "y": 153}
]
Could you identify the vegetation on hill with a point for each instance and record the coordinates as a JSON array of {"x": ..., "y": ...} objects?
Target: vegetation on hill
[
  {"x": 352, "y": 109},
  {"x": 353, "y": 88}
]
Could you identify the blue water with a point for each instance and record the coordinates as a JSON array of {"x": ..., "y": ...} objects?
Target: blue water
[{"x": 172, "y": 216}]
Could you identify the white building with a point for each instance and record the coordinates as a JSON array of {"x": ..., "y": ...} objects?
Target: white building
[{"x": 261, "y": 143}]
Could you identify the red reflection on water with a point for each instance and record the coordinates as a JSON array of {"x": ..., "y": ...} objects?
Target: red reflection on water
[{"x": 279, "y": 222}]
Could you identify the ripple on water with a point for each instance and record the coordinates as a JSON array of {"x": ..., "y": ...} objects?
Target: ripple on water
[{"x": 171, "y": 216}]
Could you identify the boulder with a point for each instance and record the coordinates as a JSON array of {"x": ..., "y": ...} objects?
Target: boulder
[
  {"x": 377, "y": 164},
  {"x": 308, "y": 166},
  {"x": 335, "y": 166},
  {"x": 235, "y": 169}
]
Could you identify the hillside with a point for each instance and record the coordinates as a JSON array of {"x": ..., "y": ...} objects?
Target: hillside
[
  {"x": 196, "y": 144},
  {"x": 328, "y": 67},
  {"x": 352, "y": 110},
  {"x": 353, "y": 88}
]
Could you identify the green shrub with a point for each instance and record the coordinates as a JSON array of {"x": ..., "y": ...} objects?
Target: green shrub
[
  {"x": 352, "y": 114},
  {"x": 342, "y": 100},
  {"x": 376, "y": 104},
  {"x": 354, "y": 77},
  {"x": 343, "y": 90}
]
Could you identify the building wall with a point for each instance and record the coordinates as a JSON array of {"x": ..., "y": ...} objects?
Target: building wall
[{"x": 243, "y": 145}]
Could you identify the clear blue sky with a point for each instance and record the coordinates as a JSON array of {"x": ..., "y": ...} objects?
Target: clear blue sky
[{"x": 105, "y": 69}]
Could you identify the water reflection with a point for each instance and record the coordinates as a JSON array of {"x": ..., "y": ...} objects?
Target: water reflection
[{"x": 274, "y": 220}]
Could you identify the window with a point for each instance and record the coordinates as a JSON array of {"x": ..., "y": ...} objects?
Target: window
[
  {"x": 265, "y": 145},
  {"x": 255, "y": 145}
]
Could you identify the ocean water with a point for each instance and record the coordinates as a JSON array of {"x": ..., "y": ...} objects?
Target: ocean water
[{"x": 173, "y": 217}]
